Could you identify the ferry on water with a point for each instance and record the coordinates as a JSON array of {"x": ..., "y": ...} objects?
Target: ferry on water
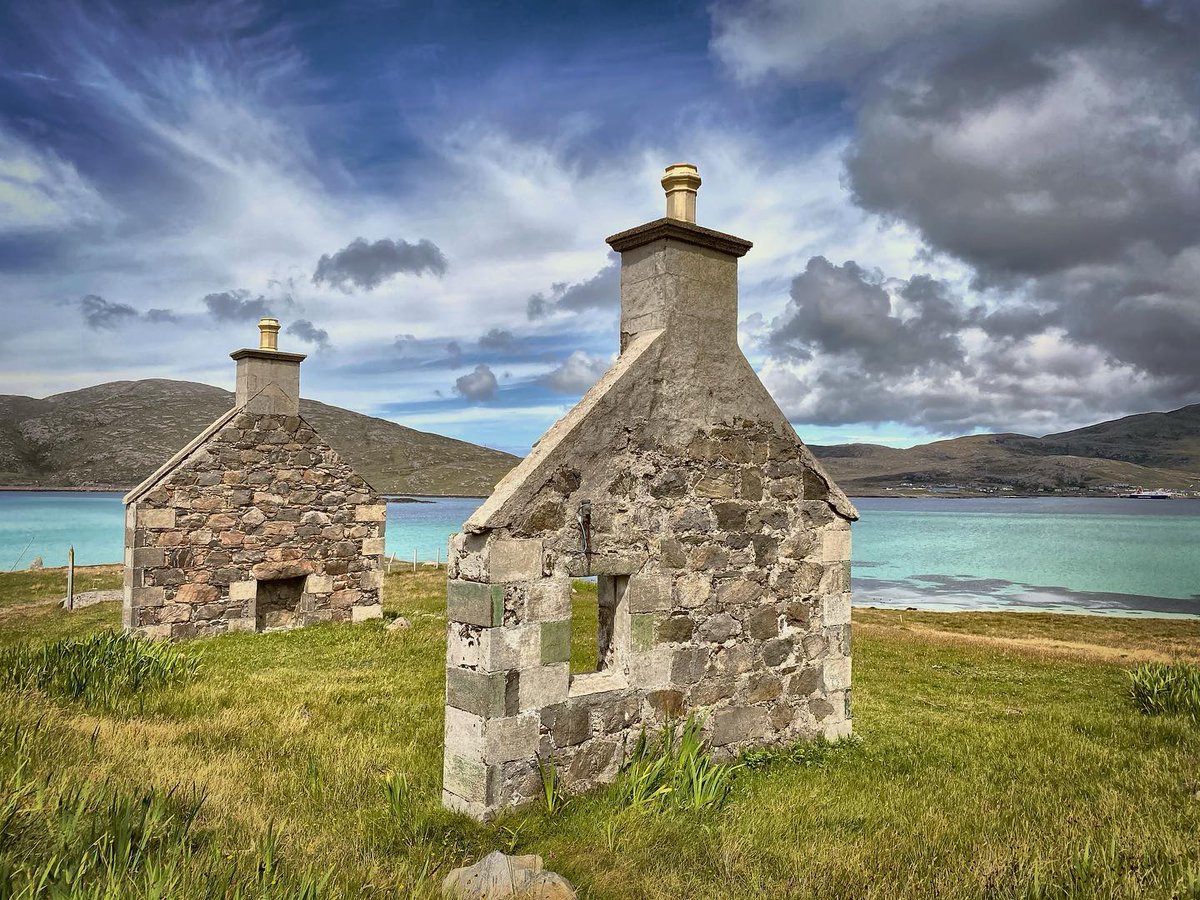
[{"x": 1140, "y": 494}]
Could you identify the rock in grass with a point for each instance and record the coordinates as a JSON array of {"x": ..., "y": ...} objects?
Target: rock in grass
[
  {"x": 37, "y": 565},
  {"x": 399, "y": 624},
  {"x": 90, "y": 598},
  {"x": 500, "y": 877}
]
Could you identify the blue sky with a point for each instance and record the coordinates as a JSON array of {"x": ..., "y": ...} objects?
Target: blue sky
[{"x": 968, "y": 217}]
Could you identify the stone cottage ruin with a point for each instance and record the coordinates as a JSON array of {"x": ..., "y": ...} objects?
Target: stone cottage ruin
[
  {"x": 257, "y": 524},
  {"x": 720, "y": 545}
]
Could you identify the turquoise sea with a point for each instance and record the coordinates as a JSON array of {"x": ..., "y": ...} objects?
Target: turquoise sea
[{"x": 1138, "y": 557}]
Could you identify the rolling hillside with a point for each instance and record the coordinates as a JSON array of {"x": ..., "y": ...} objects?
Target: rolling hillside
[
  {"x": 116, "y": 434},
  {"x": 1149, "y": 450}
]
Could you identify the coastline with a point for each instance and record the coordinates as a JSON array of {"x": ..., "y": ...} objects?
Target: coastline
[
  {"x": 425, "y": 498},
  {"x": 121, "y": 489}
]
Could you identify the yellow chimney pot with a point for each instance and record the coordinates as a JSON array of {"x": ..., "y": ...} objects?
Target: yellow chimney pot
[
  {"x": 268, "y": 334},
  {"x": 681, "y": 182}
]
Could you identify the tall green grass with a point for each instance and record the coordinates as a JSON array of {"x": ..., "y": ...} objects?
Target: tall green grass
[
  {"x": 675, "y": 769},
  {"x": 66, "y": 837},
  {"x": 104, "y": 671},
  {"x": 982, "y": 773},
  {"x": 1166, "y": 688}
]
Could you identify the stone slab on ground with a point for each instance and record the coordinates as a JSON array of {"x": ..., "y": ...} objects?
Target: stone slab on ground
[
  {"x": 500, "y": 877},
  {"x": 90, "y": 598}
]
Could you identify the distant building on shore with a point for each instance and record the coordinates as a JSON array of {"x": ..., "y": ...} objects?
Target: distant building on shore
[{"x": 257, "y": 524}]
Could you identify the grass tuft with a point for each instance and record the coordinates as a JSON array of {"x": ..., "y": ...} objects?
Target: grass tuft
[
  {"x": 1166, "y": 688},
  {"x": 809, "y": 754},
  {"x": 554, "y": 797},
  {"x": 679, "y": 772},
  {"x": 103, "y": 671}
]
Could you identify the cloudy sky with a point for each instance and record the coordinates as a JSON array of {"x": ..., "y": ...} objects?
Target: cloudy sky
[{"x": 968, "y": 215}]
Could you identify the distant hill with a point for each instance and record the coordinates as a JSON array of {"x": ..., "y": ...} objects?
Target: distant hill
[
  {"x": 1149, "y": 450},
  {"x": 116, "y": 434}
]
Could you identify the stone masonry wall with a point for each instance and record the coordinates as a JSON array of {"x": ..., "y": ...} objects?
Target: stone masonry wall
[
  {"x": 737, "y": 608},
  {"x": 262, "y": 498}
]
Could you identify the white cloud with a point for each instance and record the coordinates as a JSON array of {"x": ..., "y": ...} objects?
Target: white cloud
[
  {"x": 40, "y": 191},
  {"x": 578, "y": 372}
]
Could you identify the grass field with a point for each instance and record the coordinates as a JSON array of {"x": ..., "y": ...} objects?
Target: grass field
[{"x": 997, "y": 755}]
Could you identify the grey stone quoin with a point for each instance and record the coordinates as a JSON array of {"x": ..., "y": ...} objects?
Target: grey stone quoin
[
  {"x": 257, "y": 524},
  {"x": 721, "y": 545}
]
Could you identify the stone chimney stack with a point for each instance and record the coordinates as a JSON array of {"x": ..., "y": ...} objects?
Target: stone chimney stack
[
  {"x": 268, "y": 381},
  {"x": 676, "y": 274}
]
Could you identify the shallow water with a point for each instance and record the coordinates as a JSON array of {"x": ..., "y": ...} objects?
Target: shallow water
[
  {"x": 1136, "y": 557},
  {"x": 1076, "y": 554}
]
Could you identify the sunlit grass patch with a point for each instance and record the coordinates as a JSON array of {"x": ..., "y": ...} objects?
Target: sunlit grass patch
[{"x": 978, "y": 772}]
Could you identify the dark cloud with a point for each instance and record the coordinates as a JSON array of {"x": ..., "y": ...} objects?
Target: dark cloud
[
  {"x": 854, "y": 346},
  {"x": 366, "y": 266},
  {"x": 237, "y": 306},
  {"x": 454, "y": 351},
  {"x": 1059, "y": 157},
  {"x": 497, "y": 339},
  {"x": 576, "y": 374},
  {"x": 161, "y": 315},
  {"x": 601, "y": 291},
  {"x": 307, "y": 331},
  {"x": 100, "y": 313},
  {"x": 480, "y": 384},
  {"x": 846, "y": 311},
  {"x": 1051, "y": 145}
]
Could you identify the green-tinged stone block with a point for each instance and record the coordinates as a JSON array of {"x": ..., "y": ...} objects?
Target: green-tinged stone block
[
  {"x": 845, "y": 580},
  {"x": 642, "y": 631},
  {"x": 475, "y": 603},
  {"x": 556, "y": 642},
  {"x": 476, "y": 692}
]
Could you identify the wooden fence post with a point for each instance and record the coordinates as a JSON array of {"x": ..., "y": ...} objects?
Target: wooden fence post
[{"x": 71, "y": 578}]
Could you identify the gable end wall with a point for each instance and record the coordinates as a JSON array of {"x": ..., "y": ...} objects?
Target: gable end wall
[{"x": 262, "y": 497}]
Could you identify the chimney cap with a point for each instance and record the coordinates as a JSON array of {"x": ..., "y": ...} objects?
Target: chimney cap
[
  {"x": 681, "y": 181},
  {"x": 268, "y": 333}
]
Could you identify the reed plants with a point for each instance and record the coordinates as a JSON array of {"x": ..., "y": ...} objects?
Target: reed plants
[
  {"x": 1166, "y": 689},
  {"x": 675, "y": 770},
  {"x": 104, "y": 671}
]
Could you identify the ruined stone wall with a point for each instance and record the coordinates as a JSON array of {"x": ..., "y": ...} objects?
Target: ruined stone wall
[
  {"x": 260, "y": 506},
  {"x": 737, "y": 607}
]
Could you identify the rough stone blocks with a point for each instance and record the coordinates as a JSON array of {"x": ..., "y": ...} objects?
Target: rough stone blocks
[
  {"x": 155, "y": 518},
  {"x": 374, "y": 512},
  {"x": 253, "y": 504},
  {"x": 835, "y": 545},
  {"x": 475, "y": 603},
  {"x": 366, "y": 612},
  {"x": 515, "y": 560},
  {"x": 482, "y": 694}
]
